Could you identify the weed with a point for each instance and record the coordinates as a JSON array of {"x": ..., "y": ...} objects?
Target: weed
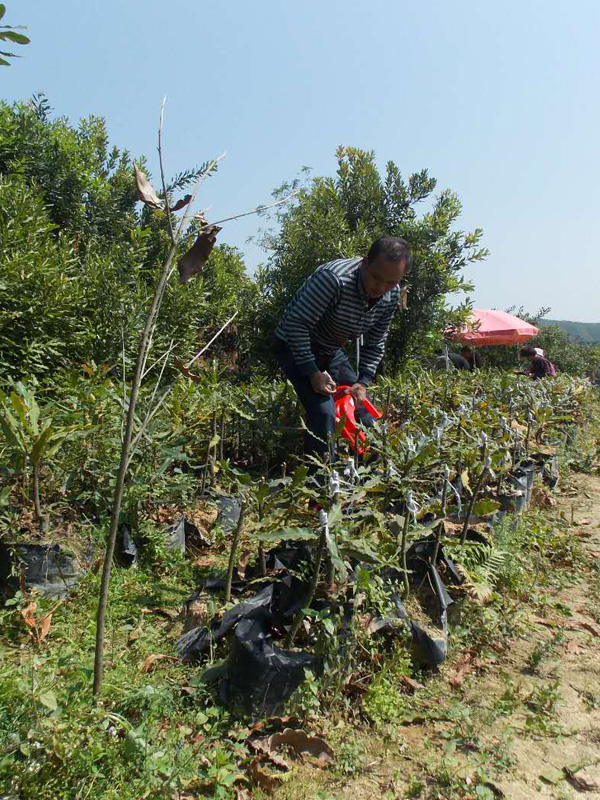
[{"x": 542, "y": 703}]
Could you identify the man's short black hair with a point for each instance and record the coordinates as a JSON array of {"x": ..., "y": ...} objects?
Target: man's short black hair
[
  {"x": 391, "y": 248},
  {"x": 528, "y": 351}
]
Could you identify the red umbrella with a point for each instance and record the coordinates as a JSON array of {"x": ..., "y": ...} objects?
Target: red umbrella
[{"x": 487, "y": 327}]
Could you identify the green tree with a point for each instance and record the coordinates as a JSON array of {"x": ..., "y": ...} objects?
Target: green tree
[
  {"x": 339, "y": 217},
  {"x": 78, "y": 258}
]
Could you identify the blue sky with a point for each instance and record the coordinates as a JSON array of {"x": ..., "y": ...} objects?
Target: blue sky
[{"x": 498, "y": 100}]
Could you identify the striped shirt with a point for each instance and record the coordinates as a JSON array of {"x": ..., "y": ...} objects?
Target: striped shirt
[{"x": 332, "y": 308}]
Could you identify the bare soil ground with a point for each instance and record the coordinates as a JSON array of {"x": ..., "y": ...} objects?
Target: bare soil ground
[{"x": 530, "y": 718}]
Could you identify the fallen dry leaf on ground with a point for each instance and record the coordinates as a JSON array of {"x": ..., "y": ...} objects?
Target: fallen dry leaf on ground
[
  {"x": 581, "y": 784},
  {"x": 300, "y": 742},
  {"x": 267, "y": 782},
  {"x": 587, "y": 626},
  {"x": 547, "y": 621},
  {"x": 411, "y": 684},
  {"x": 540, "y": 498},
  {"x": 261, "y": 748},
  {"x": 457, "y": 679},
  {"x": 274, "y": 722},
  {"x": 147, "y": 665},
  {"x": 574, "y": 648},
  {"x": 168, "y": 613}
]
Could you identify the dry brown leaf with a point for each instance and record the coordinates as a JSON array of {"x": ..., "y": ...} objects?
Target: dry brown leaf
[
  {"x": 182, "y": 368},
  {"x": 411, "y": 684},
  {"x": 168, "y": 613},
  {"x": 44, "y": 627},
  {"x": 516, "y": 426},
  {"x": 587, "y": 626},
  {"x": 145, "y": 189},
  {"x": 300, "y": 742},
  {"x": 22, "y": 580},
  {"x": 192, "y": 263},
  {"x": 574, "y": 648},
  {"x": 581, "y": 784},
  {"x": 404, "y": 298},
  {"x": 267, "y": 782},
  {"x": 452, "y": 528},
  {"x": 147, "y": 665},
  {"x": 243, "y": 794},
  {"x": 541, "y": 499},
  {"x": 550, "y": 623},
  {"x": 243, "y": 563},
  {"x": 28, "y": 614},
  {"x": 261, "y": 748},
  {"x": 273, "y": 722},
  {"x": 457, "y": 679},
  {"x": 181, "y": 203}
]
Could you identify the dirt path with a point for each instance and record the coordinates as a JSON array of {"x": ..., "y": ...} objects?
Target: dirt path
[{"x": 529, "y": 722}]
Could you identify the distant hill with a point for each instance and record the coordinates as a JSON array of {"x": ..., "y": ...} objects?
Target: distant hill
[{"x": 583, "y": 331}]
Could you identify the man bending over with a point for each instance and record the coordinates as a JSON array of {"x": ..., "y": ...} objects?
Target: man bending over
[{"x": 338, "y": 303}]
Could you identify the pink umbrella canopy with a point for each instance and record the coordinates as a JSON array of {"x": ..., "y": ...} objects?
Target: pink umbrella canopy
[{"x": 488, "y": 327}]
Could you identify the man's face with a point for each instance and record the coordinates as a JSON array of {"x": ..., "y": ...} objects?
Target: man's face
[{"x": 381, "y": 276}]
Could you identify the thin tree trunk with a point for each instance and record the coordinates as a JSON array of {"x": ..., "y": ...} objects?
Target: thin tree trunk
[
  {"x": 233, "y": 551},
  {"x": 403, "y": 551},
  {"x": 222, "y": 440},
  {"x": 478, "y": 487},
  {"x": 440, "y": 528},
  {"x": 36, "y": 493},
  {"x": 120, "y": 483}
]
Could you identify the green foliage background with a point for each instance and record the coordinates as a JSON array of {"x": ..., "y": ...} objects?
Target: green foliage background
[{"x": 78, "y": 260}]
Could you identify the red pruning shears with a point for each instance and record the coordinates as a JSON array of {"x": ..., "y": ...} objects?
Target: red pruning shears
[{"x": 344, "y": 406}]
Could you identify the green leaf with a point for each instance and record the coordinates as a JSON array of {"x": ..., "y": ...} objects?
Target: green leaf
[
  {"x": 484, "y": 507},
  {"x": 4, "y": 63},
  {"x": 48, "y": 699},
  {"x": 2, "y": 10},
  {"x": 39, "y": 446},
  {"x": 12, "y": 36},
  {"x": 334, "y": 555},
  {"x": 8, "y": 424},
  {"x": 134, "y": 743},
  {"x": 290, "y": 534},
  {"x": 214, "y": 441}
]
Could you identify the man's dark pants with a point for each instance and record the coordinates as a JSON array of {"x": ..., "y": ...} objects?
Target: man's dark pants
[{"x": 320, "y": 409}]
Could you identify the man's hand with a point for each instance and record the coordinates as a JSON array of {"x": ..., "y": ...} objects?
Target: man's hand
[
  {"x": 358, "y": 392},
  {"x": 322, "y": 383}
]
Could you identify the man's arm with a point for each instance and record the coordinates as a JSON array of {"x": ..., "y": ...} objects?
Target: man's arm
[
  {"x": 373, "y": 347},
  {"x": 304, "y": 312}
]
